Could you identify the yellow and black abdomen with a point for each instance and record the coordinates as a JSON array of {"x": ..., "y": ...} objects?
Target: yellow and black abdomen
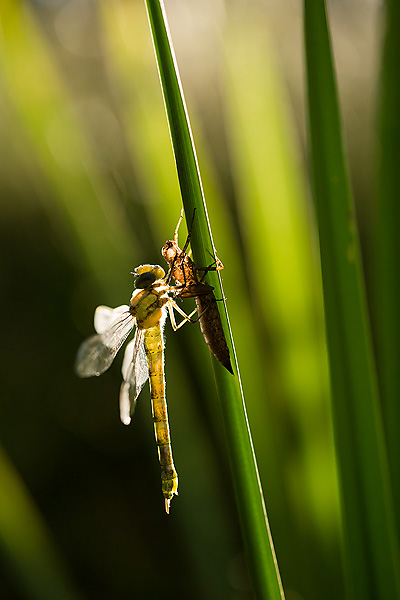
[{"x": 154, "y": 346}]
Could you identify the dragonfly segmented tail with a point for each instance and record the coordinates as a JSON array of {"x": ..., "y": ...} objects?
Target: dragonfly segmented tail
[{"x": 155, "y": 357}]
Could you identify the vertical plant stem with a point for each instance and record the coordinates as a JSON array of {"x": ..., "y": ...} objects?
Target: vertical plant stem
[
  {"x": 388, "y": 242},
  {"x": 181, "y": 135},
  {"x": 369, "y": 534},
  {"x": 257, "y": 539}
]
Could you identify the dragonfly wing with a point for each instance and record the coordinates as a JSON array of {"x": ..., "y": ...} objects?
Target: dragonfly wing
[
  {"x": 104, "y": 316},
  {"x": 96, "y": 354},
  {"x": 135, "y": 372}
]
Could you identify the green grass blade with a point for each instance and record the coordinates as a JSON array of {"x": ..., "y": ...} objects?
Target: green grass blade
[
  {"x": 388, "y": 248},
  {"x": 261, "y": 559},
  {"x": 369, "y": 535},
  {"x": 185, "y": 156}
]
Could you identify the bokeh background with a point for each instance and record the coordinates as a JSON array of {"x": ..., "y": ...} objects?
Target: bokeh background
[{"x": 88, "y": 190}]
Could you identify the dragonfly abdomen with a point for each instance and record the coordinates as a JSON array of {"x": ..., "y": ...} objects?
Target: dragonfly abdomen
[{"x": 154, "y": 347}]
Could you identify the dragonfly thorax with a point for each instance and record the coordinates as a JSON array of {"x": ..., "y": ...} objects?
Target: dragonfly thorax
[{"x": 147, "y": 306}]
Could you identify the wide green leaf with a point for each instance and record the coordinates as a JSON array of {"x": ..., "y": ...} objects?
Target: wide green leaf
[
  {"x": 369, "y": 535},
  {"x": 387, "y": 289}
]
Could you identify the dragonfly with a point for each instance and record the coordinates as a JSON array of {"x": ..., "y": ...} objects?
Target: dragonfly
[
  {"x": 144, "y": 356},
  {"x": 190, "y": 285}
]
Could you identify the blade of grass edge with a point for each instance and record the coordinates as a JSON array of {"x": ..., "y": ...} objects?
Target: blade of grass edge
[
  {"x": 256, "y": 534},
  {"x": 371, "y": 551},
  {"x": 387, "y": 286}
]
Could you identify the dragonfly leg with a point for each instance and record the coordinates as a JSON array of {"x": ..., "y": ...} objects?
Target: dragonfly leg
[
  {"x": 202, "y": 313},
  {"x": 186, "y": 318},
  {"x": 216, "y": 265},
  {"x": 185, "y": 247},
  {"x": 180, "y": 255},
  {"x": 177, "y": 227}
]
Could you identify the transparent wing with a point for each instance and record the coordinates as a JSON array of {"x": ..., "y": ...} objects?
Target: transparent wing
[
  {"x": 104, "y": 316},
  {"x": 96, "y": 354},
  {"x": 135, "y": 372}
]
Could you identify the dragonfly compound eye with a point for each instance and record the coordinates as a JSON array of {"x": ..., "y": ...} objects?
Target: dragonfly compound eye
[
  {"x": 156, "y": 269},
  {"x": 145, "y": 280}
]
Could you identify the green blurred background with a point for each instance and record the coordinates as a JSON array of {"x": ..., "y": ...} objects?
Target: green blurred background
[{"x": 88, "y": 190}]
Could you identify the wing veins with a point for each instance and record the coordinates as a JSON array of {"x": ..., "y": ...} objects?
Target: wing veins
[
  {"x": 135, "y": 372},
  {"x": 96, "y": 354}
]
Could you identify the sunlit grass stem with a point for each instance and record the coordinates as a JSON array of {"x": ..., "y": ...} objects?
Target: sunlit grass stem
[{"x": 257, "y": 539}]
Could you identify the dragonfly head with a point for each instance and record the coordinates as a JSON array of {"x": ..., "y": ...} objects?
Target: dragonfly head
[{"x": 146, "y": 275}]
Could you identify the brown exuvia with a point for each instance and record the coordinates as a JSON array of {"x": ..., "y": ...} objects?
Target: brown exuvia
[{"x": 190, "y": 285}]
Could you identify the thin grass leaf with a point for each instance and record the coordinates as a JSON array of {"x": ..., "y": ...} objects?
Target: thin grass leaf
[
  {"x": 285, "y": 300},
  {"x": 185, "y": 156},
  {"x": 370, "y": 544},
  {"x": 388, "y": 246},
  {"x": 260, "y": 554}
]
